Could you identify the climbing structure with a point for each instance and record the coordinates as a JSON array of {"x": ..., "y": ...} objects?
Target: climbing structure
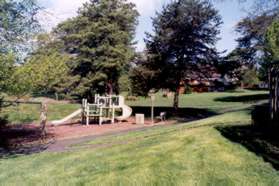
[{"x": 104, "y": 109}]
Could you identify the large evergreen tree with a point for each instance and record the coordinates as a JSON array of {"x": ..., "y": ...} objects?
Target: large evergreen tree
[
  {"x": 100, "y": 39},
  {"x": 185, "y": 33}
]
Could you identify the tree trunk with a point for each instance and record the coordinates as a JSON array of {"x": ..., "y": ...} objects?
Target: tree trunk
[
  {"x": 274, "y": 93},
  {"x": 270, "y": 81},
  {"x": 276, "y": 103},
  {"x": 109, "y": 87},
  {"x": 176, "y": 94},
  {"x": 177, "y": 90},
  {"x": 176, "y": 99}
]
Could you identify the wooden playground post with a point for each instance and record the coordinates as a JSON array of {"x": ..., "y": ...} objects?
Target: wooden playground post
[
  {"x": 83, "y": 114},
  {"x": 101, "y": 115},
  {"x": 43, "y": 118},
  {"x": 87, "y": 116},
  {"x": 152, "y": 107},
  {"x": 113, "y": 114}
]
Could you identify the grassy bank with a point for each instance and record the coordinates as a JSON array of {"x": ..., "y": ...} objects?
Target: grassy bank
[{"x": 187, "y": 154}]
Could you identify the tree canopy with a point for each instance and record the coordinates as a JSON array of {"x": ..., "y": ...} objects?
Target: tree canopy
[
  {"x": 272, "y": 42},
  {"x": 6, "y": 71},
  {"x": 251, "y": 43},
  {"x": 45, "y": 72},
  {"x": 100, "y": 40},
  {"x": 17, "y": 24},
  {"x": 185, "y": 33}
]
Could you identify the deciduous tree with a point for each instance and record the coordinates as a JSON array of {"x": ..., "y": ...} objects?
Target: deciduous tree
[
  {"x": 48, "y": 73},
  {"x": 17, "y": 25}
]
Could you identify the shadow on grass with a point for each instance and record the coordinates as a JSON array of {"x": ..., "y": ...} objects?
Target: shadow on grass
[
  {"x": 245, "y": 98},
  {"x": 21, "y": 140},
  {"x": 182, "y": 114},
  {"x": 262, "y": 141}
]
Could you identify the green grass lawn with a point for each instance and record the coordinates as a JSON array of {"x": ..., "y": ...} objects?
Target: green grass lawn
[
  {"x": 187, "y": 154},
  {"x": 192, "y": 153},
  {"x": 26, "y": 113},
  {"x": 204, "y": 104},
  {"x": 217, "y": 101}
]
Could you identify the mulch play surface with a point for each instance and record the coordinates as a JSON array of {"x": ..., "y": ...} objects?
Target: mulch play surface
[
  {"x": 77, "y": 130},
  {"x": 23, "y": 139},
  {"x": 27, "y": 139}
]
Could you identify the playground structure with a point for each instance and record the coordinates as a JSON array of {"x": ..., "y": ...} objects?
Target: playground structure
[{"x": 103, "y": 109}]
